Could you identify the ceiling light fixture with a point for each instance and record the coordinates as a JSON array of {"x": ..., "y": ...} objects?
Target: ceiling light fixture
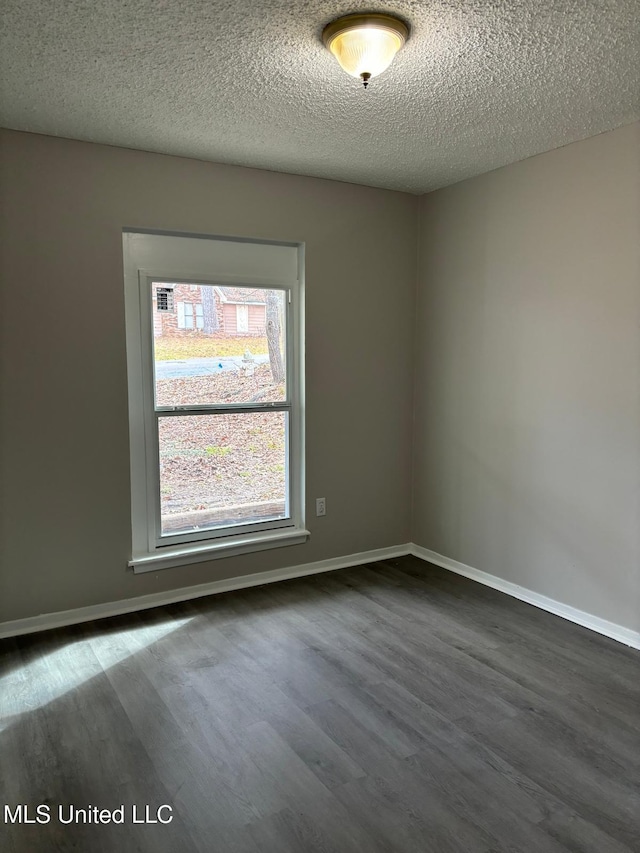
[{"x": 365, "y": 45}]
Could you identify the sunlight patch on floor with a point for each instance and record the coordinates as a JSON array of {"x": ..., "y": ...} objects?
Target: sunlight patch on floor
[{"x": 53, "y": 674}]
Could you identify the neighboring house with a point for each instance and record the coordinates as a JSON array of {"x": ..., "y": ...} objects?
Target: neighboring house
[
  {"x": 238, "y": 311},
  {"x": 243, "y": 310}
]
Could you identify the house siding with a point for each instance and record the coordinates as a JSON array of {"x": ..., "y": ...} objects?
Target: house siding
[{"x": 256, "y": 319}]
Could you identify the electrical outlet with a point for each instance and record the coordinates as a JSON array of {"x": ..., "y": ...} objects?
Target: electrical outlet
[{"x": 321, "y": 506}]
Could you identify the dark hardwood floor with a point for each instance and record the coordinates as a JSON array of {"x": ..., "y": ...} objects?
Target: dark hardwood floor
[{"x": 392, "y": 707}]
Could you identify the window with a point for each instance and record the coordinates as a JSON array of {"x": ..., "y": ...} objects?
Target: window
[
  {"x": 215, "y": 419},
  {"x": 185, "y": 314},
  {"x": 190, "y": 315}
]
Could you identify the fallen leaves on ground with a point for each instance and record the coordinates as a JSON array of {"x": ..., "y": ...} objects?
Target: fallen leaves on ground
[
  {"x": 227, "y": 386},
  {"x": 222, "y": 459}
]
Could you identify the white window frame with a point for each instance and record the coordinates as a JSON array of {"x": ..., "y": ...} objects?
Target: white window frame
[{"x": 145, "y": 261}]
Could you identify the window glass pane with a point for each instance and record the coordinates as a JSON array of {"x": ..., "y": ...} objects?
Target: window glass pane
[
  {"x": 220, "y": 358},
  {"x": 221, "y": 470},
  {"x": 199, "y": 316}
]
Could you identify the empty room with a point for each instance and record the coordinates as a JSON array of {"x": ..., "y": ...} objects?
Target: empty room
[{"x": 320, "y": 427}]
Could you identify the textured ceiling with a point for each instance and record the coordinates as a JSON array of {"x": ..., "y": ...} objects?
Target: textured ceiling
[{"x": 480, "y": 83}]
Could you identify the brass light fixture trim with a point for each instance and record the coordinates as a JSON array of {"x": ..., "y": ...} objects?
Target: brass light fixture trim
[{"x": 365, "y": 45}]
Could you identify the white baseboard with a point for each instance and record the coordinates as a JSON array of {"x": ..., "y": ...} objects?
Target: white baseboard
[
  {"x": 47, "y": 621},
  {"x": 572, "y": 614}
]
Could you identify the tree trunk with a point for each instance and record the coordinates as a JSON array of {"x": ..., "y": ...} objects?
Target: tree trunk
[
  {"x": 209, "y": 310},
  {"x": 273, "y": 337}
]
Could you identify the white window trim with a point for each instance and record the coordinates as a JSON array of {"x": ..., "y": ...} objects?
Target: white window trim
[{"x": 147, "y": 553}]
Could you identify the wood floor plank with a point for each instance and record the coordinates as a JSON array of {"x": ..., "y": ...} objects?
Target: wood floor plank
[
  {"x": 289, "y": 831},
  {"x": 574, "y": 776},
  {"x": 405, "y": 809},
  {"x": 289, "y": 774},
  {"x": 321, "y": 754}
]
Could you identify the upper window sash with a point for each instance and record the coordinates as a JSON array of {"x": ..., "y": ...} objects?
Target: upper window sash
[{"x": 146, "y": 282}]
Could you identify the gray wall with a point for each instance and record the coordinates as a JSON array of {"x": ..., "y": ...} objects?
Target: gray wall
[
  {"x": 65, "y": 478},
  {"x": 527, "y": 407}
]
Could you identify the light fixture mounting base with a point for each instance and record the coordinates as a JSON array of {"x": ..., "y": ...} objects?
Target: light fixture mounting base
[{"x": 355, "y": 21}]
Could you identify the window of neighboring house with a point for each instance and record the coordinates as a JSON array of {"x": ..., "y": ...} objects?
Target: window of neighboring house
[
  {"x": 216, "y": 433},
  {"x": 190, "y": 315},
  {"x": 242, "y": 318}
]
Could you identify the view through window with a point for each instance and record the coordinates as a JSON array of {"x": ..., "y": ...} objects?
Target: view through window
[{"x": 221, "y": 404}]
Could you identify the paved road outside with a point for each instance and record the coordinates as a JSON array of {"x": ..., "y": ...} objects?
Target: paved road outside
[{"x": 202, "y": 366}]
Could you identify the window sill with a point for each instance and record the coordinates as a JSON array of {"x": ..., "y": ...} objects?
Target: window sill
[{"x": 183, "y": 555}]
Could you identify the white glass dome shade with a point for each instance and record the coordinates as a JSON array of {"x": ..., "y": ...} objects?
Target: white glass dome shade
[{"x": 365, "y": 45}]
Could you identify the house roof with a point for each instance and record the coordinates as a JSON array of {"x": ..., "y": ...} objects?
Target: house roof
[
  {"x": 242, "y": 294},
  {"x": 479, "y": 83}
]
